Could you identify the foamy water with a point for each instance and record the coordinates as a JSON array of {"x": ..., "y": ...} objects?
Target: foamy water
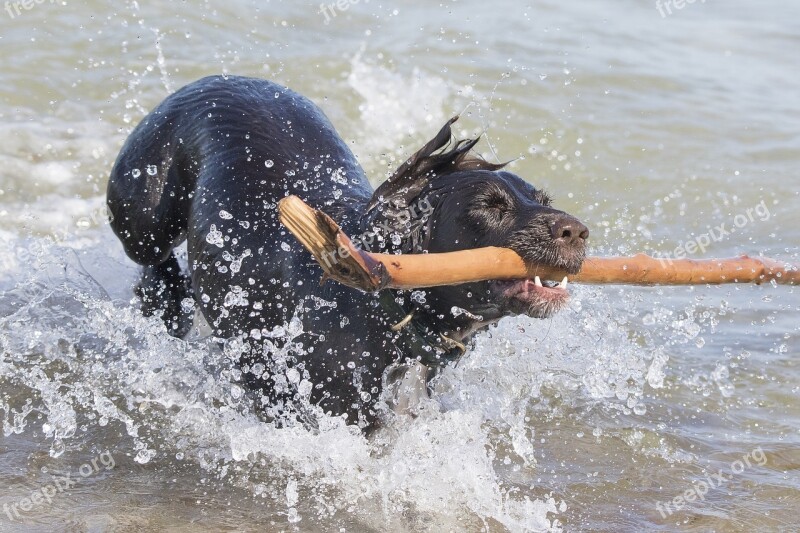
[{"x": 653, "y": 130}]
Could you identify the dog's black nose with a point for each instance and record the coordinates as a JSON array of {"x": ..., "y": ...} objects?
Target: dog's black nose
[{"x": 568, "y": 230}]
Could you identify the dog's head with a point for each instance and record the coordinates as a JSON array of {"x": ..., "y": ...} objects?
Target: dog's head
[{"x": 446, "y": 199}]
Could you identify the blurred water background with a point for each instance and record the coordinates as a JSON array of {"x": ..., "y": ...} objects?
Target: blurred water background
[{"x": 653, "y": 124}]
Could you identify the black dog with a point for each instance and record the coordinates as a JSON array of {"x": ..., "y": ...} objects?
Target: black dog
[{"x": 209, "y": 165}]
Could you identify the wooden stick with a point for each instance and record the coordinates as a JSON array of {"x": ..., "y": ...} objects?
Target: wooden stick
[
  {"x": 341, "y": 260},
  {"x": 645, "y": 270}
]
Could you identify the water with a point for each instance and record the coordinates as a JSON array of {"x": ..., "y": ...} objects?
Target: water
[{"x": 654, "y": 130}]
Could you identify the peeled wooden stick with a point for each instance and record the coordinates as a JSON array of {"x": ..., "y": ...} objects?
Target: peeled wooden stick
[
  {"x": 641, "y": 269},
  {"x": 342, "y": 261}
]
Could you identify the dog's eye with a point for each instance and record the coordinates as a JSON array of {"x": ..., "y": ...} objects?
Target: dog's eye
[
  {"x": 491, "y": 206},
  {"x": 494, "y": 199}
]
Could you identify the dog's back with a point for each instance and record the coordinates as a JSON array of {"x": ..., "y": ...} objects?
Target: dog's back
[{"x": 208, "y": 165}]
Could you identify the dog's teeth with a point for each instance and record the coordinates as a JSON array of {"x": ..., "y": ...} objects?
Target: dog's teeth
[
  {"x": 537, "y": 281},
  {"x": 563, "y": 284}
]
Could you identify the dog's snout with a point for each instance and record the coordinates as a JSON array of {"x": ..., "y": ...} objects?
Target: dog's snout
[{"x": 568, "y": 230}]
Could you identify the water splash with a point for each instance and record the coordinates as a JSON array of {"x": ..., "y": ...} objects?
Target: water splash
[{"x": 87, "y": 363}]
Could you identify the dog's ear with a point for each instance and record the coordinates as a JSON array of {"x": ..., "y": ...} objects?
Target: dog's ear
[{"x": 405, "y": 184}]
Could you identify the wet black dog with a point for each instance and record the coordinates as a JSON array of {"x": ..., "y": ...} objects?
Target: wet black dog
[{"x": 209, "y": 165}]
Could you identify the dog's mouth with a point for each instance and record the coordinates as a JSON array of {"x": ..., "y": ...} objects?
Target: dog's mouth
[{"x": 532, "y": 297}]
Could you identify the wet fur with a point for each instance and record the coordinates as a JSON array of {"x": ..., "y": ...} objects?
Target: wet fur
[{"x": 204, "y": 151}]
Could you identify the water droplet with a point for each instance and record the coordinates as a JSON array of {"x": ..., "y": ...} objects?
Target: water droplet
[
  {"x": 187, "y": 305},
  {"x": 57, "y": 449},
  {"x": 215, "y": 236},
  {"x": 144, "y": 456},
  {"x": 700, "y": 342},
  {"x": 236, "y": 297}
]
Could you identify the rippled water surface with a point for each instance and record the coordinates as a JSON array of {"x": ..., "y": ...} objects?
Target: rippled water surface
[{"x": 655, "y": 130}]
